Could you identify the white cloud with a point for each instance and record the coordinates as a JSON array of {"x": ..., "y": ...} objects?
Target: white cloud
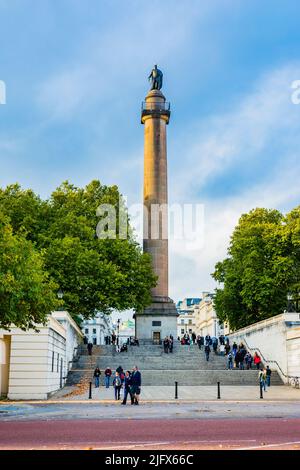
[{"x": 262, "y": 119}]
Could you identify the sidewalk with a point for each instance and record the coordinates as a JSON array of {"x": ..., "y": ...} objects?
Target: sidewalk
[{"x": 189, "y": 394}]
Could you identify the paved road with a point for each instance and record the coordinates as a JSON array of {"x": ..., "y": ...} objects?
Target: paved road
[
  {"x": 96, "y": 411},
  {"x": 152, "y": 434}
]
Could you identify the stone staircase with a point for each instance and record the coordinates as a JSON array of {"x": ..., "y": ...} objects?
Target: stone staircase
[{"x": 186, "y": 365}]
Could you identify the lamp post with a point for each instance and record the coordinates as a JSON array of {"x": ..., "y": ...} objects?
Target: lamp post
[
  {"x": 290, "y": 304},
  {"x": 60, "y": 296},
  {"x": 118, "y": 339}
]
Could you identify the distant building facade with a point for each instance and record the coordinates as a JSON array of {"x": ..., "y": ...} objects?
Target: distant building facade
[
  {"x": 96, "y": 329},
  {"x": 186, "y": 321},
  {"x": 207, "y": 322}
]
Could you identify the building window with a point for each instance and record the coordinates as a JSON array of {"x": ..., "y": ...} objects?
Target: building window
[
  {"x": 182, "y": 322},
  {"x": 57, "y": 366},
  {"x": 52, "y": 368},
  {"x": 182, "y": 332},
  {"x": 95, "y": 341},
  {"x": 94, "y": 331},
  {"x": 190, "y": 322},
  {"x": 86, "y": 331},
  {"x": 156, "y": 323}
]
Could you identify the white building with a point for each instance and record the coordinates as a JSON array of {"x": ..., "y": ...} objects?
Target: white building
[
  {"x": 207, "y": 322},
  {"x": 186, "y": 321},
  {"x": 97, "y": 328},
  {"x": 34, "y": 365}
]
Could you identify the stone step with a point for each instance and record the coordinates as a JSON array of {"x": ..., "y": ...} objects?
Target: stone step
[{"x": 184, "y": 377}]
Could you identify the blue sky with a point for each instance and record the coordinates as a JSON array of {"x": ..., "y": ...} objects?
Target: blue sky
[{"x": 76, "y": 73}]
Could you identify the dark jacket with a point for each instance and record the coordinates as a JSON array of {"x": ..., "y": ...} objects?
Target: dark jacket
[
  {"x": 107, "y": 372},
  {"x": 127, "y": 382},
  {"x": 136, "y": 378},
  {"x": 97, "y": 373}
]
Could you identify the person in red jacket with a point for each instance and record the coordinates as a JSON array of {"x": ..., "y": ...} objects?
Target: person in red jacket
[{"x": 257, "y": 360}]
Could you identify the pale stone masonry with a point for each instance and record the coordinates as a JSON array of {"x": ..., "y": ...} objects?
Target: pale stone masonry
[
  {"x": 278, "y": 339},
  {"x": 33, "y": 364},
  {"x": 160, "y": 318}
]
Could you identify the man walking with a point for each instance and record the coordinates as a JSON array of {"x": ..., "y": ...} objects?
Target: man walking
[
  {"x": 90, "y": 348},
  {"x": 127, "y": 388},
  {"x": 207, "y": 351},
  {"x": 136, "y": 382},
  {"x": 262, "y": 378}
]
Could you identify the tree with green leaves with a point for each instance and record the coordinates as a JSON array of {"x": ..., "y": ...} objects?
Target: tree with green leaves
[
  {"x": 94, "y": 274},
  {"x": 27, "y": 294},
  {"x": 261, "y": 268}
]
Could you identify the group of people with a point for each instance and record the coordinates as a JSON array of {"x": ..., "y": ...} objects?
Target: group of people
[
  {"x": 129, "y": 382},
  {"x": 168, "y": 344},
  {"x": 240, "y": 358}
]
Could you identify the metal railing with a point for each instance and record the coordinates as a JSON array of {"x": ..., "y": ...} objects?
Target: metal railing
[
  {"x": 156, "y": 106},
  {"x": 291, "y": 380}
]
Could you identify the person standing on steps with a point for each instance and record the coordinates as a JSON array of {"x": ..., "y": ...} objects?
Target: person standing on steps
[
  {"x": 117, "y": 383},
  {"x": 136, "y": 382},
  {"x": 171, "y": 344},
  {"x": 230, "y": 361},
  {"x": 107, "y": 374},
  {"x": 166, "y": 345},
  {"x": 90, "y": 348},
  {"x": 208, "y": 340},
  {"x": 207, "y": 351},
  {"x": 257, "y": 360},
  {"x": 268, "y": 376},
  {"x": 127, "y": 388},
  {"x": 97, "y": 374},
  {"x": 227, "y": 348},
  {"x": 194, "y": 338}
]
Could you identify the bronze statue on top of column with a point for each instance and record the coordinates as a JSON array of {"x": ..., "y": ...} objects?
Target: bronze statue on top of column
[{"x": 156, "y": 77}]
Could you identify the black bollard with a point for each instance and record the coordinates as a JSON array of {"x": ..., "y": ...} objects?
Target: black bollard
[
  {"x": 176, "y": 390},
  {"x": 90, "y": 393},
  {"x": 261, "y": 389},
  {"x": 219, "y": 392}
]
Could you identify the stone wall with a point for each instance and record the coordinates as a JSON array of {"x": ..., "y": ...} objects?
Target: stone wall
[{"x": 277, "y": 339}]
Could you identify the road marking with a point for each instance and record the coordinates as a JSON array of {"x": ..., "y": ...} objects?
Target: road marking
[
  {"x": 269, "y": 445},
  {"x": 149, "y": 443}
]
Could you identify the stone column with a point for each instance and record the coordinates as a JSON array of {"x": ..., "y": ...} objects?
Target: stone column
[
  {"x": 160, "y": 318},
  {"x": 155, "y": 117}
]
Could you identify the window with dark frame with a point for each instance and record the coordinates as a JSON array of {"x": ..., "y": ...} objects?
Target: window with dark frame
[{"x": 156, "y": 323}]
